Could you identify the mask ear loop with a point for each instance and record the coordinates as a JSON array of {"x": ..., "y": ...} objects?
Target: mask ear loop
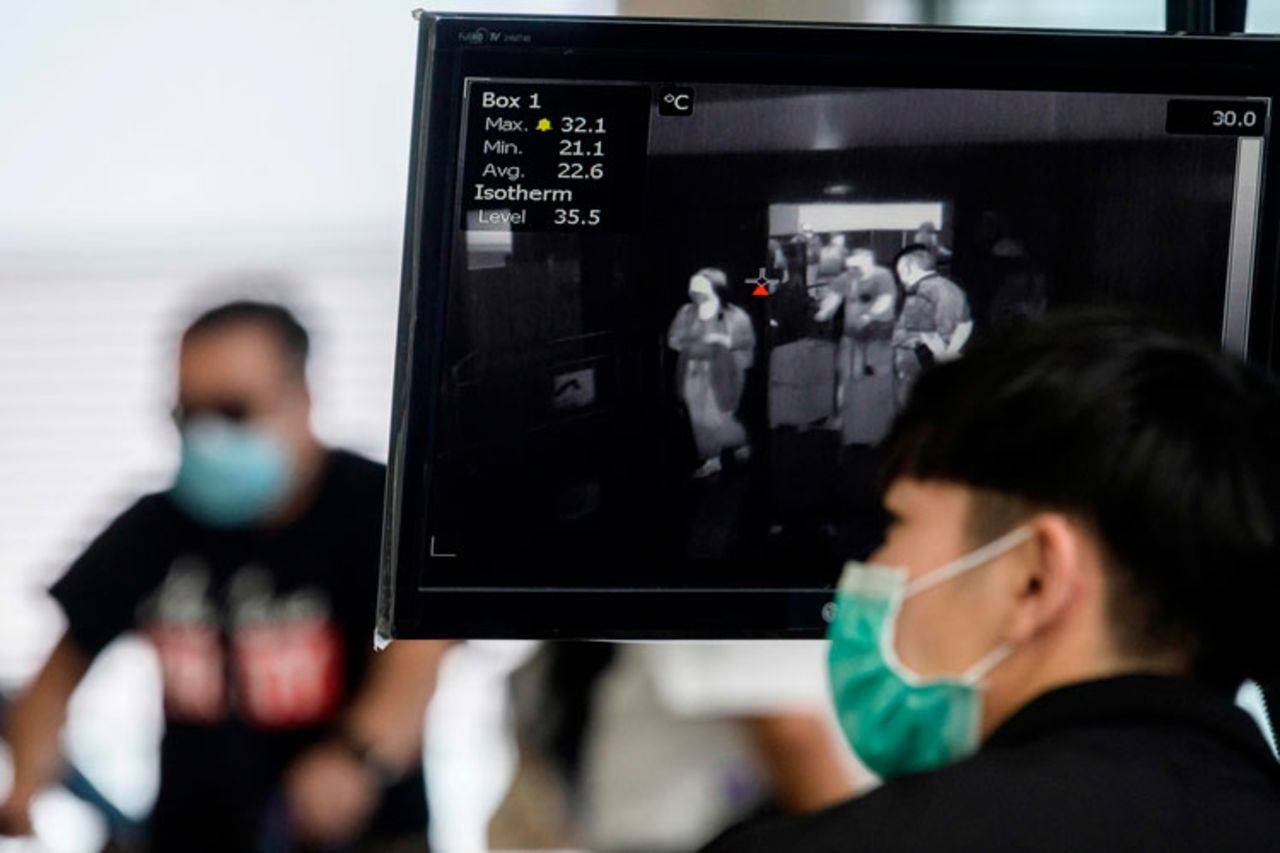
[
  {"x": 976, "y": 674},
  {"x": 969, "y": 561}
]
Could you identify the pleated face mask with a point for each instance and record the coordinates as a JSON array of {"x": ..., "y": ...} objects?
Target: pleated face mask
[
  {"x": 231, "y": 475},
  {"x": 896, "y": 721}
]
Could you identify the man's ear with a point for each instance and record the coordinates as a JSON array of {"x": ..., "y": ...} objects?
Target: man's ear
[{"x": 1052, "y": 573}]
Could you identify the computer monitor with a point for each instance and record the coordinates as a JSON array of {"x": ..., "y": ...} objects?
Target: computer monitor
[{"x": 666, "y": 284}]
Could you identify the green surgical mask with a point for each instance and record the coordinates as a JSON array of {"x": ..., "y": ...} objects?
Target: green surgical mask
[{"x": 896, "y": 721}]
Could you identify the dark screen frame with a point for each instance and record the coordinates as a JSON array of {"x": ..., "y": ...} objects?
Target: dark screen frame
[{"x": 668, "y": 51}]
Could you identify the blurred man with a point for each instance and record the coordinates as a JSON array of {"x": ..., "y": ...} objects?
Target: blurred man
[
  {"x": 935, "y": 322},
  {"x": 833, "y": 256},
  {"x": 811, "y": 249},
  {"x": 254, "y": 577},
  {"x": 1080, "y": 571},
  {"x": 928, "y": 235},
  {"x": 717, "y": 345},
  {"x": 864, "y": 367}
]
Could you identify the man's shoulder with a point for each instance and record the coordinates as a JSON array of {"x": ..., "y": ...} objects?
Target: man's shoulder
[
  {"x": 685, "y": 315},
  {"x": 351, "y": 472},
  {"x": 843, "y": 284},
  {"x": 1073, "y": 790},
  {"x": 149, "y": 512},
  {"x": 881, "y": 274},
  {"x": 939, "y": 283},
  {"x": 349, "y": 463},
  {"x": 904, "y": 815},
  {"x": 881, "y": 281}
]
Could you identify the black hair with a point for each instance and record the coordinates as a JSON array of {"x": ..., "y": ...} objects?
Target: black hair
[
  {"x": 1166, "y": 449},
  {"x": 293, "y": 336},
  {"x": 920, "y": 253}
]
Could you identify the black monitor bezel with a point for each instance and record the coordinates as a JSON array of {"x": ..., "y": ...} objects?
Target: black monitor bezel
[{"x": 668, "y": 51}]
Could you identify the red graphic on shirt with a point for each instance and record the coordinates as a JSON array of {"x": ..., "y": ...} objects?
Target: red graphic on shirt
[
  {"x": 288, "y": 673},
  {"x": 195, "y": 680}
]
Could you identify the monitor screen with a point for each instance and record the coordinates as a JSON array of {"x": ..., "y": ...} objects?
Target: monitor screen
[{"x": 667, "y": 286}]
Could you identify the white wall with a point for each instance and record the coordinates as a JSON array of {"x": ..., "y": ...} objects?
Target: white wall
[
  {"x": 1263, "y": 17},
  {"x": 1084, "y": 14},
  {"x": 139, "y": 113}
]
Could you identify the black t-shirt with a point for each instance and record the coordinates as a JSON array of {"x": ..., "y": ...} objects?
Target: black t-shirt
[{"x": 263, "y": 637}]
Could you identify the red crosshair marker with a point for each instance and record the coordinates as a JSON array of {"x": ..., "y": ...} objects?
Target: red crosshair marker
[{"x": 762, "y": 283}]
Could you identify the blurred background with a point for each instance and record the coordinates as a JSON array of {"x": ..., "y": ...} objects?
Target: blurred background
[{"x": 151, "y": 154}]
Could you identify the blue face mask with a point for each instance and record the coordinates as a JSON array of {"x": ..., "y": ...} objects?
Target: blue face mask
[
  {"x": 896, "y": 721},
  {"x": 231, "y": 475}
]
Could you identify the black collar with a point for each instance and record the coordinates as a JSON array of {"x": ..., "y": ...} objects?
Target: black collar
[{"x": 1142, "y": 699}]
